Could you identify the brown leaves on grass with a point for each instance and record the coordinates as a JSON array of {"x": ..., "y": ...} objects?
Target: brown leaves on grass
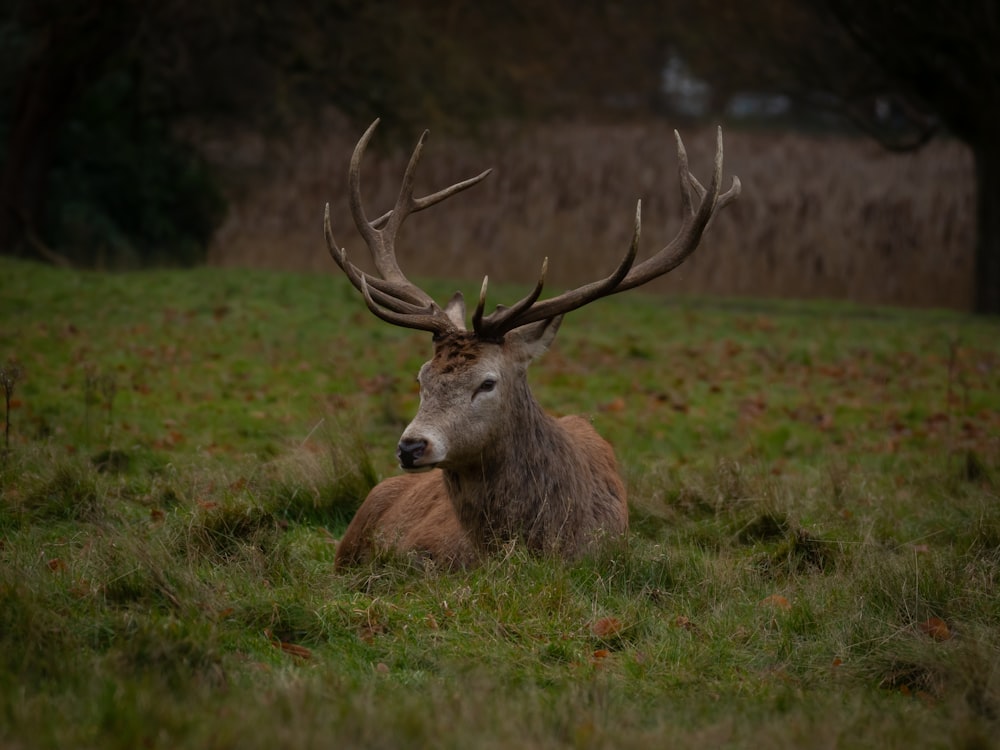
[
  {"x": 682, "y": 621},
  {"x": 598, "y": 657},
  {"x": 300, "y": 652},
  {"x": 606, "y": 627},
  {"x": 936, "y": 628},
  {"x": 777, "y": 601},
  {"x": 292, "y": 649},
  {"x": 172, "y": 439},
  {"x": 613, "y": 406},
  {"x": 750, "y": 409},
  {"x": 370, "y": 631},
  {"x": 608, "y": 630}
]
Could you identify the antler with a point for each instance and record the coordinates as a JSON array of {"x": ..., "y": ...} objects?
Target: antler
[
  {"x": 696, "y": 220},
  {"x": 397, "y": 300},
  {"x": 393, "y": 297}
]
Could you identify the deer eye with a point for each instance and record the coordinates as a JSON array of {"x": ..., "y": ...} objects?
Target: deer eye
[{"x": 486, "y": 386}]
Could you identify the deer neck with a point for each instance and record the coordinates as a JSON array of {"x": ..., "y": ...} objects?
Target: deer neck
[{"x": 521, "y": 488}]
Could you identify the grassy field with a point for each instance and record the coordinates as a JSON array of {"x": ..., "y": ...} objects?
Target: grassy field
[{"x": 814, "y": 558}]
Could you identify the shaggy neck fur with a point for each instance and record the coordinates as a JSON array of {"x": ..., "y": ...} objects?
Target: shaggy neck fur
[{"x": 528, "y": 488}]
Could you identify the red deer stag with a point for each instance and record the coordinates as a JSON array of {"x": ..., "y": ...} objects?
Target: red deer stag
[{"x": 485, "y": 465}]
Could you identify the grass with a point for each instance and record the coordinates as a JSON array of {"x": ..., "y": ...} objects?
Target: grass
[{"x": 814, "y": 557}]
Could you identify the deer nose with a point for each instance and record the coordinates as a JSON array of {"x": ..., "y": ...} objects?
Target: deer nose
[{"x": 409, "y": 451}]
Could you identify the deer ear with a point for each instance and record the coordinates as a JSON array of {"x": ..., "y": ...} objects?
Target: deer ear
[
  {"x": 531, "y": 341},
  {"x": 455, "y": 310}
]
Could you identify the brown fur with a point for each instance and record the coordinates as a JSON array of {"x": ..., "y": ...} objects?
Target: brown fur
[
  {"x": 406, "y": 513},
  {"x": 511, "y": 473}
]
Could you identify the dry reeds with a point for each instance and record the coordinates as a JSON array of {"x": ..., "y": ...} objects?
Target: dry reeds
[{"x": 820, "y": 216}]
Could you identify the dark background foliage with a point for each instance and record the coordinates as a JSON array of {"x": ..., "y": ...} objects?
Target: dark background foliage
[{"x": 93, "y": 92}]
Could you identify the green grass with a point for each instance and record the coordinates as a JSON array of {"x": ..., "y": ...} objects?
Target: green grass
[{"x": 815, "y": 555}]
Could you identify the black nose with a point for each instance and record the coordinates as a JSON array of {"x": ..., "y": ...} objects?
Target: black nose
[{"x": 409, "y": 452}]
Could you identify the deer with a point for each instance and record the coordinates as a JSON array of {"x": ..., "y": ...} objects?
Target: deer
[{"x": 484, "y": 467}]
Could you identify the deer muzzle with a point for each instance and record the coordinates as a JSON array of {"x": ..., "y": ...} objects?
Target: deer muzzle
[{"x": 409, "y": 452}]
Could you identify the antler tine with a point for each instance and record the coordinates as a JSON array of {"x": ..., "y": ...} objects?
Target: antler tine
[
  {"x": 338, "y": 254},
  {"x": 398, "y": 312},
  {"x": 354, "y": 185},
  {"x": 391, "y": 295},
  {"x": 477, "y": 314},
  {"x": 695, "y": 220},
  {"x": 419, "y": 204},
  {"x": 404, "y": 201},
  {"x": 353, "y": 273},
  {"x": 685, "y": 176},
  {"x": 381, "y": 243},
  {"x": 528, "y": 310},
  {"x": 626, "y": 276},
  {"x": 496, "y": 323}
]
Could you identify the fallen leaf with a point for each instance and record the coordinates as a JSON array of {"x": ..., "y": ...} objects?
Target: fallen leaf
[
  {"x": 293, "y": 649},
  {"x": 614, "y": 405},
  {"x": 382, "y": 668},
  {"x": 81, "y": 588},
  {"x": 936, "y": 628},
  {"x": 606, "y": 627},
  {"x": 56, "y": 565},
  {"x": 777, "y": 601},
  {"x": 682, "y": 621},
  {"x": 369, "y": 632}
]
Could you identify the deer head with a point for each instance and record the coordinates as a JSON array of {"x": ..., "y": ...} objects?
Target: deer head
[{"x": 474, "y": 398}]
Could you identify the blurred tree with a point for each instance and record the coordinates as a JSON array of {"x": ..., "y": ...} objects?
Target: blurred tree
[
  {"x": 903, "y": 72},
  {"x": 58, "y": 58},
  {"x": 90, "y": 92},
  {"x": 90, "y": 165}
]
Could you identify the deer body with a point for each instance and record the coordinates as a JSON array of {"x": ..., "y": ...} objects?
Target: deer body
[
  {"x": 486, "y": 465},
  {"x": 507, "y": 471}
]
